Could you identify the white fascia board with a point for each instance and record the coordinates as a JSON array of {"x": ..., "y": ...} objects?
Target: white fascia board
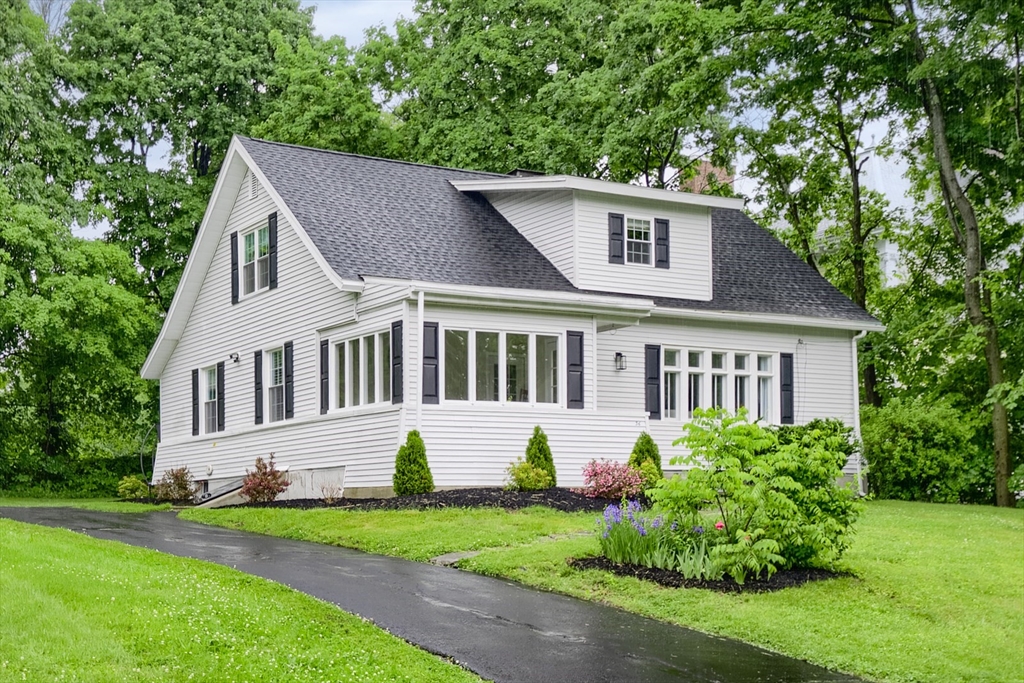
[
  {"x": 218, "y": 210},
  {"x": 565, "y": 182},
  {"x": 523, "y": 298},
  {"x": 768, "y": 319}
]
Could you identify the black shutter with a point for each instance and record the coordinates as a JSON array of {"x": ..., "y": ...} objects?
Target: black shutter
[
  {"x": 616, "y": 239},
  {"x": 220, "y": 397},
  {"x": 430, "y": 364},
  {"x": 234, "y": 268},
  {"x": 574, "y": 367},
  {"x": 272, "y": 225},
  {"x": 786, "y": 387},
  {"x": 652, "y": 381},
  {"x": 195, "y": 403},
  {"x": 396, "y": 362},
  {"x": 289, "y": 380},
  {"x": 258, "y": 384},
  {"x": 325, "y": 386},
  {"x": 661, "y": 243}
]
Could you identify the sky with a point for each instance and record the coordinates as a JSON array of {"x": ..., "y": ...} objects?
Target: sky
[{"x": 350, "y": 18}]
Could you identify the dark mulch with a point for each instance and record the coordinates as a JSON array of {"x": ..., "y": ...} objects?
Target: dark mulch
[
  {"x": 557, "y": 498},
  {"x": 784, "y": 578}
]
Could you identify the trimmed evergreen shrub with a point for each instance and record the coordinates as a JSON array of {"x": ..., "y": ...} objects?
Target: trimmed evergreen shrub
[
  {"x": 412, "y": 472},
  {"x": 643, "y": 450},
  {"x": 132, "y": 488},
  {"x": 264, "y": 483},
  {"x": 650, "y": 474},
  {"x": 522, "y": 476},
  {"x": 538, "y": 453}
]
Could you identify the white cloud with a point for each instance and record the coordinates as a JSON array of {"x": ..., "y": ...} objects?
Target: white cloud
[{"x": 350, "y": 18}]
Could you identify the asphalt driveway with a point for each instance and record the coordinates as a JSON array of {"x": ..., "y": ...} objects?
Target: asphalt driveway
[{"x": 501, "y": 630}]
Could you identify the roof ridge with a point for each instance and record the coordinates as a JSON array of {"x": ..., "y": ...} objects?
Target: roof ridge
[{"x": 366, "y": 156}]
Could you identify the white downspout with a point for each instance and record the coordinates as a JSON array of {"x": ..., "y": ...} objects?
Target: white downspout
[
  {"x": 418, "y": 367},
  {"x": 856, "y": 408}
]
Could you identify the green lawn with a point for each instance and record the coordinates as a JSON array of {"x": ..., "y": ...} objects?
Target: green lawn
[
  {"x": 75, "y": 608},
  {"x": 98, "y": 504},
  {"x": 939, "y": 593}
]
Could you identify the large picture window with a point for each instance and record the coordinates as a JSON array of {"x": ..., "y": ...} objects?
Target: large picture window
[
  {"x": 256, "y": 260},
  {"x": 718, "y": 379},
  {"x": 502, "y": 367},
  {"x": 362, "y": 370}
]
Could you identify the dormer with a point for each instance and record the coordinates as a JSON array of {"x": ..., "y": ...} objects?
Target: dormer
[{"x": 612, "y": 237}]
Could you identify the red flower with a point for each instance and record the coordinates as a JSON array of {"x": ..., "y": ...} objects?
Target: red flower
[{"x": 719, "y": 525}]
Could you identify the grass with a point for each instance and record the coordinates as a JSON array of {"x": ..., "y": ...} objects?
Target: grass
[
  {"x": 80, "y": 609},
  {"x": 412, "y": 534},
  {"x": 98, "y": 504},
  {"x": 938, "y": 594}
]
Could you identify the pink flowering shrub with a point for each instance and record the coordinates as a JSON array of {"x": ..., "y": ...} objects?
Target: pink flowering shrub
[
  {"x": 264, "y": 483},
  {"x": 608, "y": 479}
]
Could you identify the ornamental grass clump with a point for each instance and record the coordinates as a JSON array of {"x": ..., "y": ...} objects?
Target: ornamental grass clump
[
  {"x": 609, "y": 479},
  {"x": 538, "y": 454},
  {"x": 412, "y": 472},
  {"x": 630, "y": 536},
  {"x": 264, "y": 483}
]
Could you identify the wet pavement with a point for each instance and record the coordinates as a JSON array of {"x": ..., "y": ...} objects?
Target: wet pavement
[{"x": 501, "y": 630}]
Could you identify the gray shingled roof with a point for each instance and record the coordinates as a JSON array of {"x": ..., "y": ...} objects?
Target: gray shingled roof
[{"x": 379, "y": 217}]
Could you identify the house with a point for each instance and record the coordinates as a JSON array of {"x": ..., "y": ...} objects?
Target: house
[{"x": 333, "y": 302}]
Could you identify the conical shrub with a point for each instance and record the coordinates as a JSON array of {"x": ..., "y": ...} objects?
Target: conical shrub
[
  {"x": 538, "y": 453},
  {"x": 645, "y": 449},
  {"x": 412, "y": 473}
]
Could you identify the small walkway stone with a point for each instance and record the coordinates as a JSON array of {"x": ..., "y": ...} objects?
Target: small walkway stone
[{"x": 451, "y": 559}]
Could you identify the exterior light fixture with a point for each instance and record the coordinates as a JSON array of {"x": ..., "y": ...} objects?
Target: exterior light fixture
[
  {"x": 620, "y": 361},
  {"x": 233, "y": 357}
]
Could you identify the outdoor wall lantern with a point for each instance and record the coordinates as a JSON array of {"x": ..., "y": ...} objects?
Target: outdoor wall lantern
[
  {"x": 233, "y": 357},
  {"x": 620, "y": 361}
]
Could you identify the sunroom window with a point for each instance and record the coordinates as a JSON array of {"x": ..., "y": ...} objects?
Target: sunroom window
[
  {"x": 501, "y": 367},
  {"x": 362, "y": 370}
]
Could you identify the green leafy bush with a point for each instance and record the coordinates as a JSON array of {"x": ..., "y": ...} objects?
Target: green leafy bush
[
  {"x": 176, "y": 486},
  {"x": 610, "y": 479},
  {"x": 775, "y": 506},
  {"x": 538, "y": 454},
  {"x": 264, "y": 483},
  {"x": 650, "y": 475},
  {"x": 522, "y": 476},
  {"x": 412, "y": 472},
  {"x": 645, "y": 450},
  {"x": 918, "y": 450},
  {"x": 132, "y": 488}
]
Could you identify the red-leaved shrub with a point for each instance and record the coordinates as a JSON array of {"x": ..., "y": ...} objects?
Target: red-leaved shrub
[
  {"x": 264, "y": 483},
  {"x": 608, "y": 479}
]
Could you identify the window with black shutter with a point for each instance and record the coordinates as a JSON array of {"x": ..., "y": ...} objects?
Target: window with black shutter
[
  {"x": 786, "y": 388},
  {"x": 325, "y": 376},
  {"x": 661, "y": 243},
  {"x": 431, "y": 393},
  {"x": 272, "y": 225},
  {"x": 289, "y": 380},
  {"x": 396, "y": 362},
  {"x": 195, "y": 402},
  {"x": 652, "y": 381},
  {"x": 574, "y": 369},
  {"x": 234, "y": 268},
  {"x": 220, "y": 397},
  {"x": 258, "y": 386}
]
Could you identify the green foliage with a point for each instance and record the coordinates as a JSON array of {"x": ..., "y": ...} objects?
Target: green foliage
[
  {"x": 412, "y": 472},
  {"x": 176, "y": 486},
  {"x": 919, "y": 450},
  {"x": 132, "y": 488},
  {"x": 523, "y": 476},
  {"x": 538, "y": 454},
  {"x": 265, "y": 482},
  {"x": 650, "y": 474},
  {"x": 646, "y": 450},
  {"x": 778, "y": 506}
]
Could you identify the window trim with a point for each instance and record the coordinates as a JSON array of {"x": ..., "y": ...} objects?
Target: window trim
[
  {"x": 531, "y": 369},
  {"x": 378, "y": 370},
  {"x": 268, "y": 377},
  {"x": 650, "y": 242},
  {"x": 730, "y": 372},
  {"x": 204, "y": 400},
  {"x": 253, "y": 230}
]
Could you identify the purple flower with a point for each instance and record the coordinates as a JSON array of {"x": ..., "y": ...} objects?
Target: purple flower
[
  {"x": 612, "y": 514},
  {"x": 698, "y": 530},
  {"x": 657, "y": 522},
  {"x": 675, "y": 525}
]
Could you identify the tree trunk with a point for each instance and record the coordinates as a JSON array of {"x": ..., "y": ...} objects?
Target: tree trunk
[{"x": 973, "y": 262}]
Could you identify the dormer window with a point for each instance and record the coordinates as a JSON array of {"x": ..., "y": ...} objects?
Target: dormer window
[{"x": 638, "y": 241}]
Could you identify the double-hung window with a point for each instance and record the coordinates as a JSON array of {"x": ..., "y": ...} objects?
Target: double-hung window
[
  {"x": 210, "y": 400},
  {"x": 275, "y": 387},
  {"x": 719, "y": 380},
  {"x": 362, "y": 370},
  {"x": 765, "y": 410},
  {"x": 695, "y": 384},
  {"x": 638, "y": 241},
  {"x": 256, "y": 260},
  {"x": 501, "y": 367},
  {"x": 741, "y": 396},
  {"x": 673, "y": 378}
]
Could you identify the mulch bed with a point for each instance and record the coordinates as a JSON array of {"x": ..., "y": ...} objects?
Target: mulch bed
[
  {"x": 557, "y": 498},
  {"x": 784, "y": 578}
]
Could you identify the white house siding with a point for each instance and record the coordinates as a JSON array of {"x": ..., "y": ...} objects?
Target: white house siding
[
  {"x": 823, "y": 375},
  {"x": 304, "y": 302},
  {"x": 544, "y": 218},
  {"x": 689, "y": 272}
]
